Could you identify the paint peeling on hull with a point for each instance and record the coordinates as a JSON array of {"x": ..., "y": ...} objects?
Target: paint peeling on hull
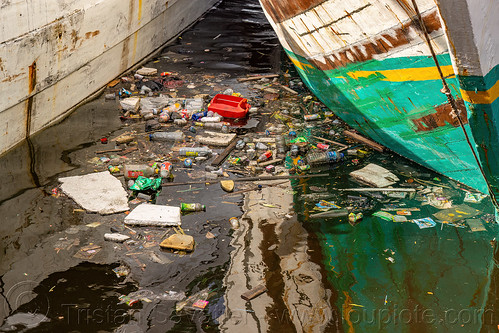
[
  {"x": 371, "y": 65},
  {"x": 78, "y": 47}
]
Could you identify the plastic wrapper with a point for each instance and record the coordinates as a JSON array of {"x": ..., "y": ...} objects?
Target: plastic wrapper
[{"x": 144, "y": 184}]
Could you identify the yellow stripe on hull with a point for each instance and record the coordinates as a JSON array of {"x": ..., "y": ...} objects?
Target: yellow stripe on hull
[
  {"x": 406, "y": 74},
  {"x": 482, "y": 97},
  {"x": 429, "y": 73}
]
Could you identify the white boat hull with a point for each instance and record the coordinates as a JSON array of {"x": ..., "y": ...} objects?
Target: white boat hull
[{"x": 53, "y": 55}]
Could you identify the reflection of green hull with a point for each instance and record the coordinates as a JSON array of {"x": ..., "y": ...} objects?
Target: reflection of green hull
[
  {"x": 436, "y": 283},
  {"x": 395, "y": 277},
  {"x": 395, "y": 102}
]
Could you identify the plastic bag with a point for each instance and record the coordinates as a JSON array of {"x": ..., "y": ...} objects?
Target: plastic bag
[
  {"x": 144, "y": 184},
  {"x": 299, "y": 139}
]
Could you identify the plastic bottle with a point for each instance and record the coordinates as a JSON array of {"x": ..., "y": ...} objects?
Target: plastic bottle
[
  {"x": 213, "y": 126},
  {"x": 281, "y": 145},
  {"x": 132, "y": 171},
  {"x": 265, "y": 156},
  {"x": 195, "y": 151},
  {"x": 324, "y": 157},
  {"x": 192, "y": 207},
  {"x": 211, "y": 119},
  {"x": 251, "y": 153},
  {"x": 180, "y": 122},
  {"x": 167, "y": 136},
  {"x": 261, "y": 146},
  {"x": 240, "y": 144},
  {"x": 309, "y": 117}
]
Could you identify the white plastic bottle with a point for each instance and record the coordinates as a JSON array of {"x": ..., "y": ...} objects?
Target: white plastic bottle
[
  {"x": 196, "y": 151},
  {"x": 167, "y": 136}
]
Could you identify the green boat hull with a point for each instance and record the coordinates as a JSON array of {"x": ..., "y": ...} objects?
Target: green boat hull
[{"x": 397, "y": 102}]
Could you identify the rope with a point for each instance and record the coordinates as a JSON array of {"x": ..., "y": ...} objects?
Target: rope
[{"x": 445, "y": 90}]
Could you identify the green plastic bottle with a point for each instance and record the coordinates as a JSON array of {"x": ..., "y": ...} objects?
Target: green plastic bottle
[{"x": 192, "y": 207}]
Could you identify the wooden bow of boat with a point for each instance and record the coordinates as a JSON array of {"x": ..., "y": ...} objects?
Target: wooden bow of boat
[{"x": 371, "y": 64}]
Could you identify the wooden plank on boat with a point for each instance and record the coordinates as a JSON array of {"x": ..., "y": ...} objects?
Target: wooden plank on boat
[{"x": 370, "y": 143}]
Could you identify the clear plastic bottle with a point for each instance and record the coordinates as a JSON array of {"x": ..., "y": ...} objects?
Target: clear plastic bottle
[
  {"x": 326, "y": 157},
  {"x": 281, "y": 145},
  {"x": 132, "y": 171},
  {"x": 251, "y": 154},
  {"x": 240, "y": 144},
  {"x": 211, "y": 119},
  {"x": 180, "y": 122},
  {"x": 195, "y": 151},
  {"x": 167, "y": 136},
  {"x": 214, "y": 126}
]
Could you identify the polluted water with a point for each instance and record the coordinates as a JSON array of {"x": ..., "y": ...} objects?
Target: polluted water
[{"x": 303, "y": 229}]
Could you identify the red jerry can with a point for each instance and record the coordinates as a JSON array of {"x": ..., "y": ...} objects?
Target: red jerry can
[{"x": 229, "y": 106}]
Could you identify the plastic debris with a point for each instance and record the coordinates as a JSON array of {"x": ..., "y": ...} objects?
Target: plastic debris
[
  {"x": 375, "y": 176},
  {"x": 326, "y": 205},
  {"x": 399, "y": 218},
  {"x": 154, "y": 215},
  {"x": 474, "y": 197},
  {"x": 121, "y": 271},
  {"x": 215, "y": 139},
  {"x": 146, "y": 71},
  {"x": 475, "y": 225},
  {"x": 227, "y": 185},
  {"x": 178, "y": 242},
  {"x": 384, "y": 215},
  {"x": 457, "y": 213},
  {"x": 96, "y": 192},
  {"x": 144, "y": 184},
  {"x": 87, "y": 252},
  {"x": 202, "y": 295},
  {"x": 354, "y": 219},
  {"x": 424, "y": 223},
  {"x": 115, "y": 237},
  {"x": 136, "y": 296}
]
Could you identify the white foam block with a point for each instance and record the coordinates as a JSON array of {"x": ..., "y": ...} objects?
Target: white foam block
[
  {"x": 154, "y": 215},
  {"x": 96, "y": 192}
]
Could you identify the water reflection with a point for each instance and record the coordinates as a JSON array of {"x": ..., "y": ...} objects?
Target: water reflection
[{"x": 396, "y": 277}]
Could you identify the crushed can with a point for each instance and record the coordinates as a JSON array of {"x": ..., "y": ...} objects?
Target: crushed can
[{"x": 165, "y": 170}]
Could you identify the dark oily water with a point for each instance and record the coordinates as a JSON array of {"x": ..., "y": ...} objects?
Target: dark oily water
[
  {"x": 394, "y": 276},
  {"x": 232, "y": 40},
  {"x": 236, "y": 38},
  {"x": 82, "y": 299}
]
